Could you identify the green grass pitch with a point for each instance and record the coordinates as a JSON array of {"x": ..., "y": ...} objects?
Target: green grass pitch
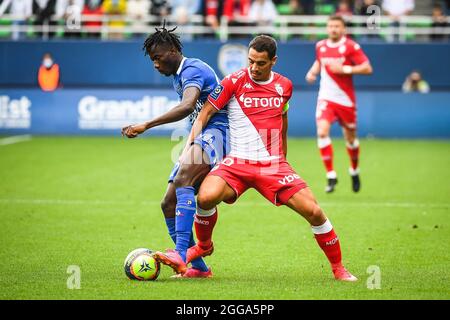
[{"x": 89, "y": 201}]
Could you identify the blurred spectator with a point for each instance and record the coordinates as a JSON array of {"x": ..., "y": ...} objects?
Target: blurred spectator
[
  {"x": 395, "y": 9},
  {"x": 415, "y": 83},
  {"x": 290, "y": 7},
  {"x": 212, "y": 14},
  {"x": 93, "y": 8},
  {"x": 439, "y": 22},
  {"x": 235, "y": 11},
  {"x": 44, "y": 10},
  {"x": 115, "y": 8},
  {"x": 63, "y": 5},
  {"x": 344, "y": 10},
  {"x": 308, "y": 6},
  {"x": 445, "y": 4},
  {"x": 49, "y": 75},
  {"x": 362, "y": 6},
  {"x": 184, "y": 9},
  {"x": 69, "y": 11},
  {"x": 22, "y": 10},
  {"x": 263, "y": 12},
  {"x": 138, "y": 10},
  {"x": 161, "y": 9}
]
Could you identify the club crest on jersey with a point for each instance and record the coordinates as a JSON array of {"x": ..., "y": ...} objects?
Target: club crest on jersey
[
  {"x": 279, "y": 89},
  {"x": 216, "y": 92}
]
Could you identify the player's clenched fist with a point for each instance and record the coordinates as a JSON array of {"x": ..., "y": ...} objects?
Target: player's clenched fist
[{"x": 133, "y": 131}]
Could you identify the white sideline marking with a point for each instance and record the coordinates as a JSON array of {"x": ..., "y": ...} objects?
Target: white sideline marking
[
  {"x": 15, "y": 139},
  {"x": 245, "y": 204}
]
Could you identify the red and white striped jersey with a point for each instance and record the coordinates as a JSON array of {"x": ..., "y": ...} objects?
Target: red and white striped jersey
[
  {"x": 255, "y": 112},
  {"x": 338, "y": 88}
]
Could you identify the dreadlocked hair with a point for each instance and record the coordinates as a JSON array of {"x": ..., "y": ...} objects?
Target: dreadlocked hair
[{"x": 162, "y": 36}]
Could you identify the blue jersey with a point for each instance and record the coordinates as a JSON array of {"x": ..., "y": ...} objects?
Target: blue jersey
[{"x": 196, "y": 73}]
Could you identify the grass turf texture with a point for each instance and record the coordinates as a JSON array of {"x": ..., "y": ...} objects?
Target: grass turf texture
[{"x": 90, "y": 201}]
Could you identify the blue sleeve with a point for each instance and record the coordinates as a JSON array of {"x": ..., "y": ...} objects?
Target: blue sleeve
[{"x": 193, "y": 77}]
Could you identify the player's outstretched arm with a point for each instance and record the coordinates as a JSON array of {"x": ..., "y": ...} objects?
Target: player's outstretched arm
[
  {"x": 177, "y": 113},
  {"x": 311, "y": 76},
  {"x": 200, "y": 123}
]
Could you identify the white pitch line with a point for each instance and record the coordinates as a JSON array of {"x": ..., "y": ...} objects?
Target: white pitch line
[
  {"x": 15, "y": 139},
  {"x": 245, "y": 204}
]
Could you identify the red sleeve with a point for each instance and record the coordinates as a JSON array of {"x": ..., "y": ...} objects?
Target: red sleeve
[
  {"x": 357, "y": 55},
  {"x": 224, "y": 91}
]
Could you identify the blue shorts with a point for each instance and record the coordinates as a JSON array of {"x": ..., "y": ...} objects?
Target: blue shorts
[{"x": 214, "y": 142}]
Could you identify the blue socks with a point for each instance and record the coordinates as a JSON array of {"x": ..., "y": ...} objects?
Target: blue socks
[{"x": 180, "y": 227}]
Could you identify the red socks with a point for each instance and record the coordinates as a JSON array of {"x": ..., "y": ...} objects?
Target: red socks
[
  {"x": 353, "y": 152},
  {"x": 328, "y": 242},
  {"x": 326, "y": 152},
  {"x": 204, "y": 225}
]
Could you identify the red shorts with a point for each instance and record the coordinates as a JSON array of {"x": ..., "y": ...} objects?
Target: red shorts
[
  {"x": 275, "y": 180},
  {"x": 330, "y": 111}
]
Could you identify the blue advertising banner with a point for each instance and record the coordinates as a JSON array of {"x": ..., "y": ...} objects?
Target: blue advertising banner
[
  {"x": 385, "y": 114},
  {"x": 84, "y": 112}
]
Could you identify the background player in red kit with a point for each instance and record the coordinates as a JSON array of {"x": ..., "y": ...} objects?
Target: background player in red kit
[
  {"x": 337, "y": 59},
  {"x": 257, "y": 101}
]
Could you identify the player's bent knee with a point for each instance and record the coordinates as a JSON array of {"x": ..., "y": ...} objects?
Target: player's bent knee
[
  {"x": 207, "y": 200},
  {"x": 316, "y": 214},
  {"x": 182, "y": 180}
]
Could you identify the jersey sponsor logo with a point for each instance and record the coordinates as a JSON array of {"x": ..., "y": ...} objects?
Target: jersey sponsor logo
[
  {"x": 289, "y": 178},
  {"x": 15, "y": 113},
  {"x": 326, "y": 61},
  {"x": 256, "y": 102},
  {"x": 216, "y": 92},
  {"x": 279, "y": 88}
]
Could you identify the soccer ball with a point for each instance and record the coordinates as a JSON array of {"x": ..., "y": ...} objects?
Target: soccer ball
[{"x": 140, "y": 265}]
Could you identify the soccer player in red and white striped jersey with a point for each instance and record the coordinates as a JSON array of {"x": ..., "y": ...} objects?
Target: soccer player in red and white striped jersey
[{"x": 338, "y": 58}]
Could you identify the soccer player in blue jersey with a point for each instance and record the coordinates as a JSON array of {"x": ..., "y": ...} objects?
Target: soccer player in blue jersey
[{"x": 193, "y": 80}]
